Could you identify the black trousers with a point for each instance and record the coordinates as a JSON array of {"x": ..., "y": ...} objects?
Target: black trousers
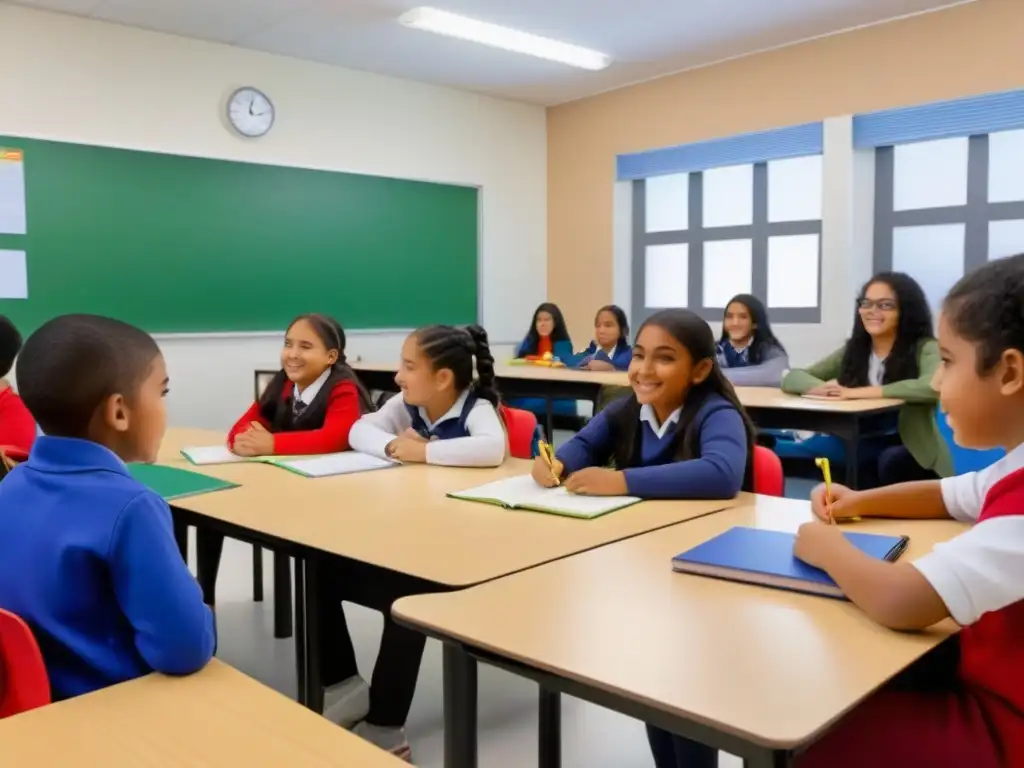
[
  {"x": 393, "y": 683},
  {"x": 892, "y": 464},
  {"x": 209, "y": 548}
]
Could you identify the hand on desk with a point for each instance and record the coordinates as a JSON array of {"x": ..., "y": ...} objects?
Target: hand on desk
[
  {"x": 597, "y": 481},
  {"x": 844, "y": 502},
  {"x": 599, "y": 365},
  {"x": 817, "y": 541},
  {"x": 255, "y": 441},
  {"x": 408, "y": 450},
  {"x": 828, "y": 389},
  {"x": 412, "y": 434}
]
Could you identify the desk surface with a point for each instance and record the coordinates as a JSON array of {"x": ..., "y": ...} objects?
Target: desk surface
[
  {"x": 770, "y": 666},
  {"x": 217, "y": 717},
  {"x": 402, "y": 520}
]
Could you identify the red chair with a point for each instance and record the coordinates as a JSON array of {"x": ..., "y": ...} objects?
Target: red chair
[
  {"x": 522, "y": 428},
  {"x": 24, "y": 684},
  {"x": 769, "y": 479}
]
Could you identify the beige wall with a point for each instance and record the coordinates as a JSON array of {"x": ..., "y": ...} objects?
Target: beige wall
[{"x": 974, "y": 48}]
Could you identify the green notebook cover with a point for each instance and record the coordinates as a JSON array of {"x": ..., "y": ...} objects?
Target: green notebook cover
[{"x": 172, "y": 483}]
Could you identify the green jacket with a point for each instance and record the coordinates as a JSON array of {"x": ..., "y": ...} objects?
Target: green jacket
[{"x": 917, "y": 428}]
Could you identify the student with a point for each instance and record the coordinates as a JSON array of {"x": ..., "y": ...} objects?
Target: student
[
  {"x": 610, "y": 350},
  {"x": 681, "y": 435},
  {"x": 442, "y": 417},
  {"x": 87, "y": 554},
  {"x": 548, "y": 333},
  {"x": 17, "y": 427},
  {"x": 748, "y": 352},
  {"x": 891, "y": 353},
  {"x": 964, "y": 703},
  {"x": 309, "y": 407}
]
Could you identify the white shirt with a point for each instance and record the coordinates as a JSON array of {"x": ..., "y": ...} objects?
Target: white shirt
[
  {"x": 876, "y": 370},
  {"x": 309, "y": 394},
  {"x": 485, "y": 446},
  {"x": 982, "y": 569},
  {"x": 647, "y": 414}
]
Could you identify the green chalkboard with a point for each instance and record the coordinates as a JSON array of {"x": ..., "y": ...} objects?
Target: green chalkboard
[{"x": 187, "y": 244}]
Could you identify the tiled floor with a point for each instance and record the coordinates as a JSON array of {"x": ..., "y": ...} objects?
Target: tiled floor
[{"x": 592, "y": 737}]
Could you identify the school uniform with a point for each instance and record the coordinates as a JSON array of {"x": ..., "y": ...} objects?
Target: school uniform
[
  {"x": 17, "y": 427},
  {"x": 538, "y": 405},
  {"x": 619, "y": 356},
  {"x": 917, "y": 451},
  {"x": 717, "y": 473},
  {"x": 469, "y": 434},
  {"x": 293, "y": 436},
  {"x": 343, "y": 410},
  {"x": 737, "y": 367},
  {"x": 88, "y": 559}
]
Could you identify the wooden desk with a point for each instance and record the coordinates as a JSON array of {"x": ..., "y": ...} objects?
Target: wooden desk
[
  {"x": 399, "y": 520},
  {"x": 217, "y": 717},
  {"x": 754, "y": 671}
]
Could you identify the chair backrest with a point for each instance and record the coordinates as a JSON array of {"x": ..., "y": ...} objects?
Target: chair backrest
[
  {"x": 965, "y": 459},
  {"x": 522, "y": 432},
  {"x": 24, "y": 683},
  {"x": 769, "y": 479}
]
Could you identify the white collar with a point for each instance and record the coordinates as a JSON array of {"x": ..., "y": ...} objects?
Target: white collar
[
  {"x": 610, "y": 351},
  {"x": 660, "y": 430},
  {"x": 453, "y": 413},
  {"x": 308, "y": 394}
]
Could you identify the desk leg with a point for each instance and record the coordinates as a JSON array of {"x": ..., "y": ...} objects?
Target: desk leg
[
  {"x": 459, "y": 707},
  {"x": 853, "y": 456},
  {"x": 181, "y": 538},
  {"x": 257, "y": 573},
  {"x": 283, "y": 596},
  {"x": 549, "y": 741},
  {"x": 301, "y": 694},
  {"x": 769, "y": 759},
  {"x": 310, "y": 606},
  {"x": 549, "y": 406}
]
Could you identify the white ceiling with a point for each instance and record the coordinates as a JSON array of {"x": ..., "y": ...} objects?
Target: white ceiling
[{"x": 647, "y": 38}]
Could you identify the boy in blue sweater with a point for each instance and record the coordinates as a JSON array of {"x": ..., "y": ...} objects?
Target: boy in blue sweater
[
  {"x": 681, "y": 435},
  {"x": 87, "y": 554}
]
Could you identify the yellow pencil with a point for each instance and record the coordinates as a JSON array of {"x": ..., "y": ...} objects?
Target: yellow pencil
[
  {"x": 548, "y": 454},
  {"x": 826, "y": 472}
]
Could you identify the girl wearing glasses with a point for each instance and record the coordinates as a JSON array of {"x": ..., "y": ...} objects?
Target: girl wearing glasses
[{"x": 892, "y": 352}]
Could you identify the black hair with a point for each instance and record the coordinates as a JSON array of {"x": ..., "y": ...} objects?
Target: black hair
[
  {"x": 763, "y": 337},
  {"x": 73, "y": 363},
  {"x": 986, "y": 307},
  {"x": 620, "y": 317},
  {"x": 693, "y": 333},
  {"x": 10, "y": 345},
  {"x": 560, "y": 332},
  {"x": 447, "y": 346},
  {"x": 913, "y": 327},
  {"x": 279, "y": 412}
]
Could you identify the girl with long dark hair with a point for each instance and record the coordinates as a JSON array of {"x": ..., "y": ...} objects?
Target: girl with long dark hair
[{"x": 748, "y": 351}]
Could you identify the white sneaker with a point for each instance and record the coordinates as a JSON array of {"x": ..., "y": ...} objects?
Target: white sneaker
[
  {"x": 391, "y": 740},
  {"x": 347, "y": 702}
]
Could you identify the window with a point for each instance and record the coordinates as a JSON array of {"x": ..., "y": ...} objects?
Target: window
[
  {"x": 948, "y": 205},
  {"x": 700, "y": 237}
]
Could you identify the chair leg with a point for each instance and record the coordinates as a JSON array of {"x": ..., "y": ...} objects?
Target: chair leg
[
  {"x": 257, "y": 573},
  {"x": 282, "y": 596}
]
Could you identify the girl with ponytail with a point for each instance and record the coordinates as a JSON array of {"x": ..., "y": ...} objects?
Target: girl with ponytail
[{"x": 444, "y": 415}]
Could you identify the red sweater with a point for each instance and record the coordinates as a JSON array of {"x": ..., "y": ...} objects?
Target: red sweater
[
  {"x": 342, "y": 412},
  {"x": 992, "y": 648},
  {"x": 17, "y": 427}
]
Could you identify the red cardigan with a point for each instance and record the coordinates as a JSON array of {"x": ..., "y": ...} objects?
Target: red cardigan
[
  {"x": 17, "y": 427},
  {"x": 342, "y": 412}
]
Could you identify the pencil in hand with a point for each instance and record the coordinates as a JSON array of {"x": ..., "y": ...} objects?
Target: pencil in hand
[{"x": 548, "y": 454}]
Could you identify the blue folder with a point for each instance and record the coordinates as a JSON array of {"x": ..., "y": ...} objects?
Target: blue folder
[{"x": 759, "y": 556}]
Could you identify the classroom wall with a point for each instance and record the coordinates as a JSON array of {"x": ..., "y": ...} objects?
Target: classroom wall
[
  {"x": 78, "y": 80},
  {"x": 968, "y": 49}
]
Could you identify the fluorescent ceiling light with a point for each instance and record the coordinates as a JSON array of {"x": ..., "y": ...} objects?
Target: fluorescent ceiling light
[{"x": 444, "y": 23}]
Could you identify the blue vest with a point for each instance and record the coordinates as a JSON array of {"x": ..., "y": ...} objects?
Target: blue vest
[{"x": 445, "y": 429}]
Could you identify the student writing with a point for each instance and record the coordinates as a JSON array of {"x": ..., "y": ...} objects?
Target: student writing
[
  {"x": 309, "y": 407},
  {"x": 963, "y": 705},
  {"x": 748, "y": 352},
  {"x": 444, "y": 417},
  {"x": 892, "y": 352},
  {"x": 682, "y": 434},
  {"x": 87, "y": 554},
  {"x": 610, "y": 350},
  {"x": 17, "y": 427}
]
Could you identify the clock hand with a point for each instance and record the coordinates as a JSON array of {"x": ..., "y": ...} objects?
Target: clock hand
[{"x": 252, "y": 103}]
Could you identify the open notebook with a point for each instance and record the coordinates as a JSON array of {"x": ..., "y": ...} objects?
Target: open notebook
[
  {"x": 523, "y": 493},
  {"x": 327, "y": 465}
]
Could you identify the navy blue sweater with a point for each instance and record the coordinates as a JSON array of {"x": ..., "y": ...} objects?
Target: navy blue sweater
[
  {"x": 717, "y": 474},
  {"x": 88, "y": 559}
]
